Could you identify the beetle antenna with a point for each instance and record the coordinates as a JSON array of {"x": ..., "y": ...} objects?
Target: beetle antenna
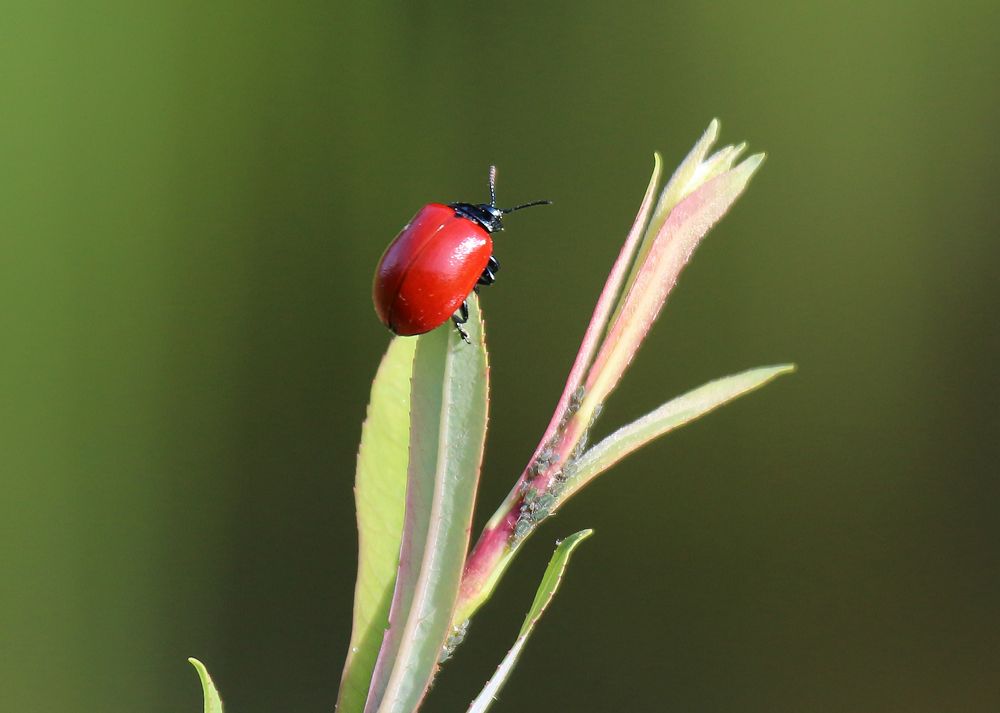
[
  {"x": 493, "y": 186},
  {"x": 524, "y": 205}
]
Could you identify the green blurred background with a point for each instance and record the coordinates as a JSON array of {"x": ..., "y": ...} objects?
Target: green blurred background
[{"x": 194, "y": 196}]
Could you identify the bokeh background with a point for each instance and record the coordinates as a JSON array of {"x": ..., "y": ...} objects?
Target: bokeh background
[{"x": 194, "y": 196}]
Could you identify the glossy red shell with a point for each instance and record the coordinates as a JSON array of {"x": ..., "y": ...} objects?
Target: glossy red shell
[{"x": 429, "y": 269}]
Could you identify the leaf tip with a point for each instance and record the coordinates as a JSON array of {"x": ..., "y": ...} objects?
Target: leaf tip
[
  {"x": 213, "y": 702},
  {"x": 773, "y": 372},
  {"x": 770, "y": 373},
  {"x": 576, "y": 537},
  {"x": 198, "y": 665},
  {"x": 753, "y": 162}
]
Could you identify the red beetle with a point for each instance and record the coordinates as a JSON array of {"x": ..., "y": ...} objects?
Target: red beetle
[{"x": 437, "y": 260}]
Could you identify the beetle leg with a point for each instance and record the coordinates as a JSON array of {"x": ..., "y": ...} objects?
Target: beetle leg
[
  {"x": 462, "y": 333},
  {"x": 460, "y": 317},
  {"x": 489, "y": 277}
]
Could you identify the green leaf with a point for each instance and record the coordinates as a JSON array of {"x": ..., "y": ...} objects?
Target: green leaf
[
  {"x": 448, "y": 431},
  {"x": 671, "y": 415},
  {"x": 379, "y": 492},
  {"x": 546, "y": 591},
  {"x": 213, "y": 703}
]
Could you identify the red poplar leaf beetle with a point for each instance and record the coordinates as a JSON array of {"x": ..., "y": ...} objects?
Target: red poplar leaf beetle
[{"x": 429, "y": 270}]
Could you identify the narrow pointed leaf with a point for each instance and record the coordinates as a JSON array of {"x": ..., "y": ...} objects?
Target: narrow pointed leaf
[
  {"x": 608, "y": 303},
  {"x": 546, "y": 591},
  {"x": 681, "y": 183},
  {"x": 719, "y": 162},
  {"x": 683, "y": 229},
  {"x": 213, "y": 703},
  {"x": 678, "y": 185},
  {"x": 448, "y": 406},
  {"x": 379, "y": 492},
  {"x": 671, "y": 415}
]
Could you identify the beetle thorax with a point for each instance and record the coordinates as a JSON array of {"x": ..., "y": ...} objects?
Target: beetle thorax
[{"x": 488, "y": 216}]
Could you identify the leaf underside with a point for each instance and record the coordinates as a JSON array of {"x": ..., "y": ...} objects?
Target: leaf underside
[{"x": 380, "y": 490}]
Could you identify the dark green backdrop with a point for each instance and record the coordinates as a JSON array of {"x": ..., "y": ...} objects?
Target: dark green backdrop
[{"x": 193, "y": 199}]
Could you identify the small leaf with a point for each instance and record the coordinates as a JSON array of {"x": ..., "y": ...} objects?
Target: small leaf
[
  {"x": 379, "y": 492},
  {"x": 213, "y": 703},
  {"x": 448, "y": 409},
  {"x": 546, "y": 591},
  {"x": 671, "y": 415},
  {"x": 681, "y": 183},
  {"x": 719, "y": 162}
]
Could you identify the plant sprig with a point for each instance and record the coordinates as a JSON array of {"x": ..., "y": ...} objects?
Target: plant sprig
[{"x": 422, "y": 444}]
